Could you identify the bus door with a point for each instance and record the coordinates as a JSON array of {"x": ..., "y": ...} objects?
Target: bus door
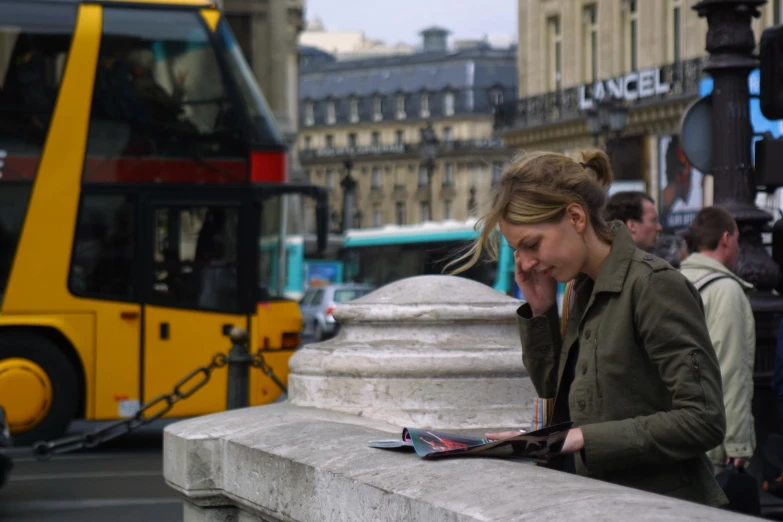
[{"x": 195, "y": 279}]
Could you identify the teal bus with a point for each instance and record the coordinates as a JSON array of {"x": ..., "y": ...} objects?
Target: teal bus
[{"x": 381, "y": 255}]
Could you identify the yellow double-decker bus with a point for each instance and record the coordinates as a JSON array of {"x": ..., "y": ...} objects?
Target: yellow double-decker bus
[{"x": 140, "y": 170}]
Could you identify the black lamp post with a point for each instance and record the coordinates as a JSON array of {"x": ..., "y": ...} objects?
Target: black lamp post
[
  {"x": 730, "y": 43},
  {"x": 607, "y": 117},
  {"x": 428, "y": 150},
  {"x": 349, "y": 196}
]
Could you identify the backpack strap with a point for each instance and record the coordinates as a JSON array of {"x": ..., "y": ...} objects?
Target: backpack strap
[{"x": 709, "y": 278}]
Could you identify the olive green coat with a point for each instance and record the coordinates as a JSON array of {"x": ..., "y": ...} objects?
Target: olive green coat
[{"x": 647, "y": 386}]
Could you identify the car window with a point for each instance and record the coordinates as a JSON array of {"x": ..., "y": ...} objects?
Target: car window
[
  {"x": 349, "y": 294},
  {"x": 319, "y": 295},
  {"x": 307, "y": 298}
]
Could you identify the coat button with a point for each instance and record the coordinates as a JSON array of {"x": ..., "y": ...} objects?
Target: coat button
[
  {"x": 587, "y": 334},
  {"x": 540, "y": 325},
  {"x": 584, "y": 368},
  {"x": 581, "y": 405},
  {"x": 648, "y": 258}
]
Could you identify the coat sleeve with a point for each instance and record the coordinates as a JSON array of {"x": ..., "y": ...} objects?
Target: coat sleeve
[
  {"x": 669, "y": 322},
  {"x": 731, "y": 327},
  {"x": 541, "y": 343}
]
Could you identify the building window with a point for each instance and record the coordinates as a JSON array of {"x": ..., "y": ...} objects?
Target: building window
[
  {"x": 329, "y": 182},
  {"x": 447, "y": 210},
  {"x": 376, "y": 138},
  {"x": 448, "y": 103},
  {"x": 353, "y": 109},
  {"x": 399, "y": 137},
  {"x": 423, "y": 176},
  {"x": 630, "y": 27},
  {"x": 447, "y": 134},
  {"x": 377, "y": 218},
  {"x": 424, "y": 211},
  {"x": 554, "y": 58},
  {"x": 400, "y": 112},
  {"x": 497, "y": 172},
  {"x": 399, "y": 212},
  {"x": 375, "y": 180},
  {"x": 424, "y": 105},
  {"x": 331, "y": 113},
  {"x": 590, "y": 43},
  {"x": 329, "y": 141},
  {"x": 448, "y": 174},
  {"x": 352, "y": 140},
  {"x": 309, "y": 114},
  {"x": 675, "y": 55},
  {"x": 308, "y": 142},
  {"x": 377, "y": 108},
  {"x": 496, "y": 97}
]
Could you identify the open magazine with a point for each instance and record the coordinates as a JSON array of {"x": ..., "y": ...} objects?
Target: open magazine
[{"x": 432, "y": 444}]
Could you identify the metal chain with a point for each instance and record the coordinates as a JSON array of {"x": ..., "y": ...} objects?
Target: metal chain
[
  {"x": 260, "y": 362},
  {"x": 147, "y": 413}
]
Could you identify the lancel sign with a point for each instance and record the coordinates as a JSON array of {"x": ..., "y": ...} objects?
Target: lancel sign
[{"x": 632, "y": 86}]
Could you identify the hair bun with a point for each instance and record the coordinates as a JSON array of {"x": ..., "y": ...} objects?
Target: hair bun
[{"x": 598, "y": 164}]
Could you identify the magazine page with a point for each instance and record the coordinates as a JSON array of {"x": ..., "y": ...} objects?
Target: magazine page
[
  {"x": 534, "y": 444},
  {"x": 433, "y": 444}
]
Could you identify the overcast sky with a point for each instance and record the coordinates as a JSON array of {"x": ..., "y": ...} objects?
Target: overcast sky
[{"x": 400, "y": 20}]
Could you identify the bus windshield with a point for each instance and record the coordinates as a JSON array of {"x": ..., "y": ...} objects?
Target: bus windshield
[
  {"x": 263, "y": 123},
  {"x": 162, "y": 93}
]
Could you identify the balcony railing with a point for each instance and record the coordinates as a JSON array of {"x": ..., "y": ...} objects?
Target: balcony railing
[
  {"x": 399, "y": 149},
  {"x": 670, "y": 81}
]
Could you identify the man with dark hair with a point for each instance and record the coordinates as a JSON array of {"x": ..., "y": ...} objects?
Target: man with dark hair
[
  {"x": 637, "y": 211},
  {"x": 714, "y": 235}
]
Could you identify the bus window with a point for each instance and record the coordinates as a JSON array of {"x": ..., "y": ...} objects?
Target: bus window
[
  {"x": 160, "y": 94},
  {"x": 13, "y": 203},
  {"x": 33, "y": 49},
  {"x": 103, "y": 251},
  {"x": 270, "y": 243},
  {"x": 255, "y": 103},
  {"x": 195, "y": 258}
]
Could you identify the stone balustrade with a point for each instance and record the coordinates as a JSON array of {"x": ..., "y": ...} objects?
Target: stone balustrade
[{"x": 432, "y": 351}]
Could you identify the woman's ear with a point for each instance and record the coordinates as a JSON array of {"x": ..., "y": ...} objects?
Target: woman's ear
[{"x": 575, "y": 215}]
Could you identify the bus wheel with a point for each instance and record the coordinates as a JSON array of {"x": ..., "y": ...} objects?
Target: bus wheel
[{"x": 39, "y": 387}]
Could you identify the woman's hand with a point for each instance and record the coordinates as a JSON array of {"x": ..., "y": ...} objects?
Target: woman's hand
[
  {"x": 575, "y": 441},
  {"x": 540, "y": 291}
]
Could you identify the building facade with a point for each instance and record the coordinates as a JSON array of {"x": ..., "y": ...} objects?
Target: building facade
[
  {"x": 405, "y": 139},
  {"x": 641, "y": 60},
  {"x": 348, "y": 45}
]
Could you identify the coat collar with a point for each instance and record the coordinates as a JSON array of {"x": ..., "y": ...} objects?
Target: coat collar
[
  {"x": 611, "y": 277},
  {"x": 701, "y": 262}
]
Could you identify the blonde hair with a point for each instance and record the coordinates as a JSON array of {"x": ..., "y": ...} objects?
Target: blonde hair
[{"x": 537, "y": 188}]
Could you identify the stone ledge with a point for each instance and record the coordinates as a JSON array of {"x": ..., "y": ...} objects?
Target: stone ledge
[{"x": 299, "y": 464}]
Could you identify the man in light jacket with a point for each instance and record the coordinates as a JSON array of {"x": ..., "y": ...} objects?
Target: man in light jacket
[{"x": 714, "y": 235}]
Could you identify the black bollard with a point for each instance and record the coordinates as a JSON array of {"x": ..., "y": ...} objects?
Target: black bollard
[{"x": 239, "y": 360}]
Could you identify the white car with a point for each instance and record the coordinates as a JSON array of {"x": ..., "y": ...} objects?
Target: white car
[{"x": 318, "y": 303}]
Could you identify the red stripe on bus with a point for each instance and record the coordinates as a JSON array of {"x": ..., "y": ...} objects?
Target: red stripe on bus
[
  {"x": 159, "y": 170},
  {"x": 268, "y": 167}
]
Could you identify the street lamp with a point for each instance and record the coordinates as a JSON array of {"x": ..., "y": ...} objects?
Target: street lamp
[
  {"x": 349, "y": 196},
  {"x": 606, "y": 117},
  {"x": 428, "y": 150}
]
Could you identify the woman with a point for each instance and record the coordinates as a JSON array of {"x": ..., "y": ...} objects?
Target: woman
[{"x": 634, "y": 368}]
